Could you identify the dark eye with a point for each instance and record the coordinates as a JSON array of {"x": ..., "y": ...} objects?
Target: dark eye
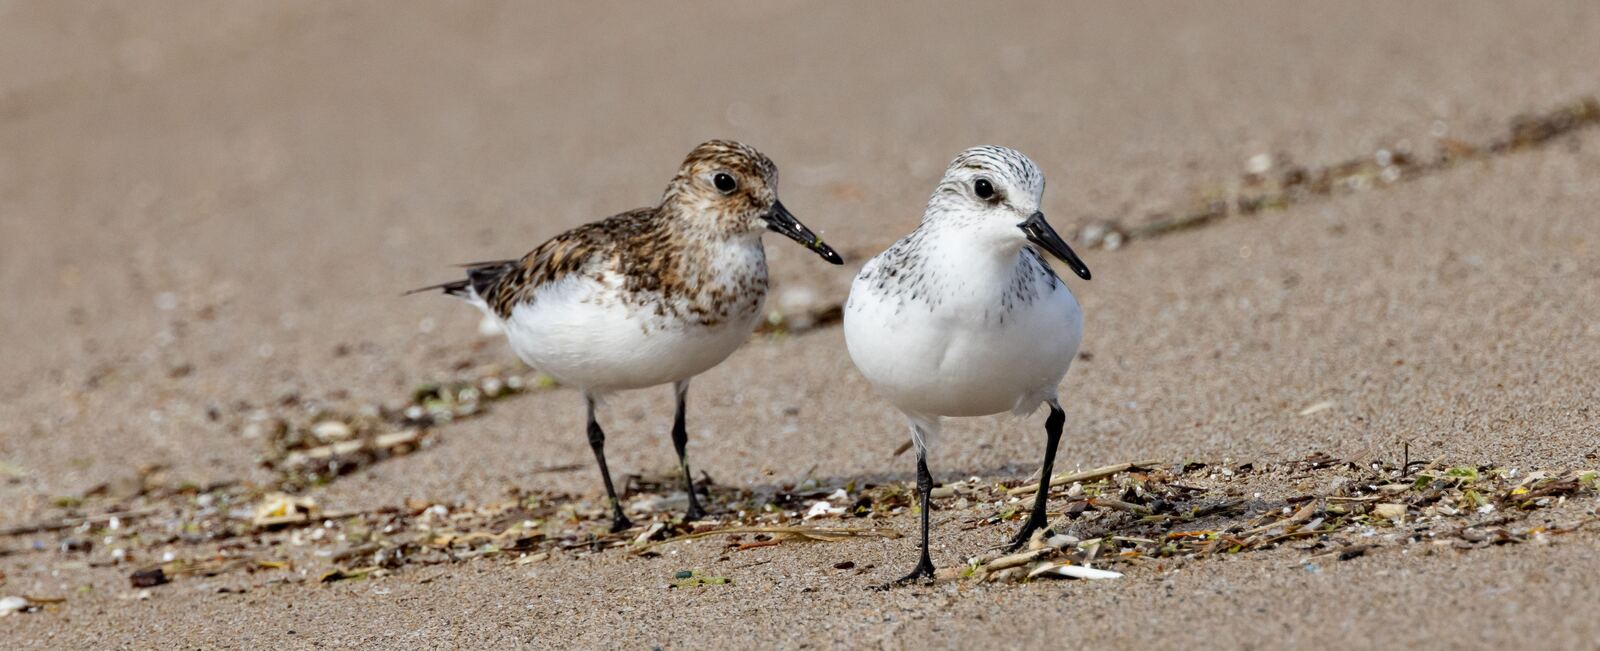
[
  {"x": 983, "y": 189},
  {"x": 725, "y": 183}
]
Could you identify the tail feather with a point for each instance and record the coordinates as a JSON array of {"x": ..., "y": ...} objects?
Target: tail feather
[{"x": 481, "y": 276}]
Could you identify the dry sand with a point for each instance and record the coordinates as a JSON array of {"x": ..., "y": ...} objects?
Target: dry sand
[{"x": 200, "y": 205}]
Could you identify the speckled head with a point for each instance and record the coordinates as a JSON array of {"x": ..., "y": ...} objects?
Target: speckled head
[
  {"x": 730, "y": 188},
  {"x": 992, "y": 181},
  {"x": 994, "y": 194},
  {"x": 729, "y": 184}
]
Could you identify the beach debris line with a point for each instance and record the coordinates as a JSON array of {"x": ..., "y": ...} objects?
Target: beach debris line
[
  {"x": 1137, "y": 516},
  {"x": 1275, "y": 182},
  {"x": 309, "y": 443},
  {"x": 1145, "y": 514}
]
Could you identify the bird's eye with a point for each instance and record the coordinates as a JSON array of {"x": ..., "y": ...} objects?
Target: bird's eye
[
  {"x": 725, "y": 183},
  {"x": 983, "y": 188}
]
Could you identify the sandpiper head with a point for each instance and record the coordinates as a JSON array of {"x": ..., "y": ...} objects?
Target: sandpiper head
[
  {"x": 995, "y": 193},
  {"x": 730, "y": 188}
]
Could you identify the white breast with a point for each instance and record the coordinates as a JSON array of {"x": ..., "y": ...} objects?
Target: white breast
[
  {"x": 587, "y": 332},
  {"x": 958, "y": 353}
]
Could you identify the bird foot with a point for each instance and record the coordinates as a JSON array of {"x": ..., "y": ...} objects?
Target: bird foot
[
  {"x": 620, "y": 523},
  {"x": 1025, "y": 535},
  {"x": 923, "y": 574}
]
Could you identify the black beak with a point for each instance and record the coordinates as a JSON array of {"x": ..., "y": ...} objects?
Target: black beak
[
  {"x": 1040, "y": 233},
  {"x": 781, "y": 221}
]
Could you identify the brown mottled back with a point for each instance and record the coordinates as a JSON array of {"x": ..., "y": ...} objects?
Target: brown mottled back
[{"x": 654, "y": 250}]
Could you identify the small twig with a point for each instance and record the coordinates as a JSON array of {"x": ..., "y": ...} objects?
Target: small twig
[
  {"x": 340, "y": 515},
  {"x": 815, "y": 533},
  {"x": 1119, "y": 505},
  {"x": 68, "y": 523},
  {"x": 1299, "y": 517},
  {"x": 359, "y": 550},
  {"x": 565, "y": 467},
  {"x": 45, "y": 600},
  {"x": 1297, "y": 534},
  {"x": 1225, "y": 505},
  {"x": 1087, "y": 475},
  {"x": 1017, "y": 559},
  {"x": 1131, "y": 539}
]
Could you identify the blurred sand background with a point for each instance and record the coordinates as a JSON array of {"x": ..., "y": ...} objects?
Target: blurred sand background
[{"x": 203, "y": 203}]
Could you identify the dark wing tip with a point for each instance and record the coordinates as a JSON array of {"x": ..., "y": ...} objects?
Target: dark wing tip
[
  {"x": 479, "y": 276},
  {"x": 453, "y": 288}
]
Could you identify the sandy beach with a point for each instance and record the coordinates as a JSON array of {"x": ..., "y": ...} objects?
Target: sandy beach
[{"x": 208, "y": 214}]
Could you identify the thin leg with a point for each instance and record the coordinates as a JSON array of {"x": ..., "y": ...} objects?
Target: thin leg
[
  {"x": 597, "y": 442},
  {"x": 1037, "y": 520},
  {"x": 680, "y": 441},
  {"x": 924, "y": 569}
]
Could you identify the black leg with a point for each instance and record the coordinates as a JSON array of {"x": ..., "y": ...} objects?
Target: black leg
[
  {"x": 924, "y": 569},
  {"x": 680, "y": 441},
  {"x": 597, "y": 442},
  {"x": 1037, "y": 520}
]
